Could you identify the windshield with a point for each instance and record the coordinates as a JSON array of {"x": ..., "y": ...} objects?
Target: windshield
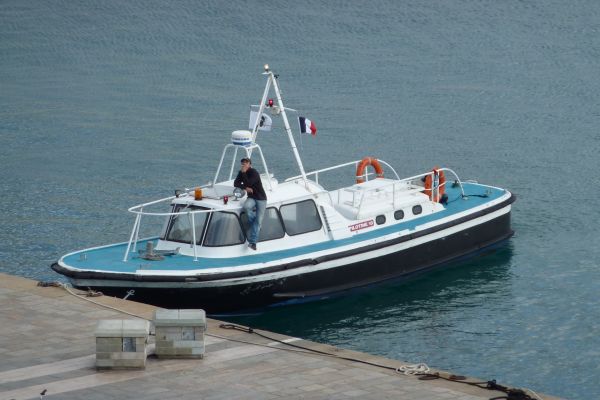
[
  {"x": 179, "y": 228},
  {"x": 224, "y": 229}
]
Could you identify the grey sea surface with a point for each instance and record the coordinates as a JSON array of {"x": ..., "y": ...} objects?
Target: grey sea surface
[{"x": 104, "y": 105}]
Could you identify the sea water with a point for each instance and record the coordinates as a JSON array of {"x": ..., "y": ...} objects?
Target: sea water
[{"x": 104, "y": 105}]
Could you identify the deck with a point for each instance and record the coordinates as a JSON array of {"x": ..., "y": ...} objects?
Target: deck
[{"x": 47, "y": 346}]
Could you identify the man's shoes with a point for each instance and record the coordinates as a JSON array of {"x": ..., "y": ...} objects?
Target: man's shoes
[{"x": 252, "y": 246}]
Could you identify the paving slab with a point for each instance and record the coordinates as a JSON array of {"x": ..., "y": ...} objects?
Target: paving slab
[{"x": 47, "y": 343}]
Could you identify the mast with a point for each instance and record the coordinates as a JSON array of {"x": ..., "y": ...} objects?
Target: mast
[{"x": 272, "y": 80}]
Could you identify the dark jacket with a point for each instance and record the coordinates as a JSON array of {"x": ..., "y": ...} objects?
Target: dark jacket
[{"x": 251, "y": 179}]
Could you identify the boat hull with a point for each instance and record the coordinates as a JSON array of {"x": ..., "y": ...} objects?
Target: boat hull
[{"x": 316, "y": 281}]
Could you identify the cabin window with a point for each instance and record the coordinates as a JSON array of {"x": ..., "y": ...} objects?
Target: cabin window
[
  {"x": 271, "y": 227},
  {"x": 398, "y": 214},
  {"x": 224, "y": 229},
  {"x": 380, "y": 219},
  {"x": 416, "y": 210},
  {"x": 300, "y": 217},
  {"x": 180, "y": 226}
]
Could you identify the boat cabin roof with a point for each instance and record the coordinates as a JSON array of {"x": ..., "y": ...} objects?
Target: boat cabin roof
[{"x": 277, "y": 193}]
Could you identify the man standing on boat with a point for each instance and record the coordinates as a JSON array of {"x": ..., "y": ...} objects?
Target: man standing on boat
[{"x": 248, "y": 179}]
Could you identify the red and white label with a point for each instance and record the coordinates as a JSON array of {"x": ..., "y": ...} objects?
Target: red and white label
[{"x": 361, "y": 225}]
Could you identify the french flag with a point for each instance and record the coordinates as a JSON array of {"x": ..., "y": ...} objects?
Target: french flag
[{"x": 307, "y": 126}]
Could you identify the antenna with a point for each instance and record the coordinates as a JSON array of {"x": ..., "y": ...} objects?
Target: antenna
[{"x": 272, "y": 80}]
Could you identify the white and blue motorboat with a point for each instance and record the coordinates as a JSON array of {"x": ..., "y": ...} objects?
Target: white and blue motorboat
[{"x": 314, "y": 241}]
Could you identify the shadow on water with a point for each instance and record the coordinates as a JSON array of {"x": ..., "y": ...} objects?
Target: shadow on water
[{"x": 397, "y": 305}]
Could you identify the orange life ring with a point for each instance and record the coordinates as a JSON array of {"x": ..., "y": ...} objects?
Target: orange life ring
[
  {"x": 441, "y": 183},
  {"x": 360, "y": 169}
]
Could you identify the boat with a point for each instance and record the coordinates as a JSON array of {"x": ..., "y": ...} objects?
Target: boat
[{"x": 314, "y": 242}]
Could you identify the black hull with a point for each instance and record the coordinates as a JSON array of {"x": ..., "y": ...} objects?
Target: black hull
[{"x": 404, "y": 263}]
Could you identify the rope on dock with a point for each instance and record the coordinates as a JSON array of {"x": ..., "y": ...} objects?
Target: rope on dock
[
  {"x": 86, "y": 296},
  {"x": 410, "y": 369},
  {"x": 413, "y": 369},
  {"x": 421, "y": 370}
]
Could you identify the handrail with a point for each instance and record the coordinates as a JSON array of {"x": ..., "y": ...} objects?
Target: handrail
[
  {"x": 248, "y": 150},
  {"x": 166, "y": 214},
  {"x": 390, "y": 167},
  {"x": 193, "y": 228},
  {"x": 323, "y": 170},
  {"x": 364, "y": 194},
  {"x": 139, "y": 209},
  {"x": 462, "y": 189},
  {"x": 134, "y": 237},
  {"x": 317, "y": 172},
  {"x": 187, "y": 192},
  {"x": 132, "y": 209}
]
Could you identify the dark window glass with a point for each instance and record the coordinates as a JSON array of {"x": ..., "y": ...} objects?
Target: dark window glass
[
  {"x": 300, "y": 217},
  {"x": 398, "y": 214},
  {"x": 380, "y": 219},
  {"x": 271, "y": 227},
  {"x": 224, "y": 229},
  {"x": 180, "y": 225},
  {"x": 416, "y": 210}
]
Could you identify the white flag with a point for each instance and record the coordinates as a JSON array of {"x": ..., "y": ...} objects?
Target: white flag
[{"x": 264, "y": 123}]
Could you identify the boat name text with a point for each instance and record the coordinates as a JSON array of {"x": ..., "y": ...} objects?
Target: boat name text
[{"x": 361, "y": 225}]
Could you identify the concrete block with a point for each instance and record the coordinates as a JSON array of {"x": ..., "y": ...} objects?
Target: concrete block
[
  {"x": 121, "y": 364},
  {"x": 187, "y": 333},
  {"x": 127, "y": 356},
  {"x": 180, "y": 318},
  {"x": 183, "y": 351},
  {"x": 122, "y": 328},
  {"x": 164, "y": 343},
  {"x": 190, "y": 353},
  {"x": 199, "y": 331},
  {"x": 180, "y": 333},
  {"x": 129, "y": 344},
  {"x": 196, "y": 351},
  {"x": 165, "y": 317},
  {"x": 103, "y": 356},
  {"x": 197, "y": 316},
  {"x": 121, "y": 344},
  {"x": 105, "y": 363},
  {"x": 140, "y": 343},
  {"x": 136, "y": 328},
  {"x": 173, "y": 336},
  {"x": 165, "y": 352},
  {"x": 187, "y": 344},
  {"x": 109, "y": 344},
  {"x": 130, "y": 363},
  {"x": 109, "y": 328},
  {"x": 168, "y": 332}
]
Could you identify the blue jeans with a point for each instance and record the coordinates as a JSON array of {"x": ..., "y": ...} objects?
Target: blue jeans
[{"x": 255, "y": 210}]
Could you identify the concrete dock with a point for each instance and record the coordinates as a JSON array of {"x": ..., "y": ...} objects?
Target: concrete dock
[{"x": 47, "y": 346}]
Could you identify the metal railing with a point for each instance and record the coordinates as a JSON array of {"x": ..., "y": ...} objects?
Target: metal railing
[
  {"x": 364, "y": 194},
  {"x": 434, "y": 195},
  {"x": 395, "y": 185},
  {"x": 355, "y": 163},
  {"x": 139, "y": 211}
]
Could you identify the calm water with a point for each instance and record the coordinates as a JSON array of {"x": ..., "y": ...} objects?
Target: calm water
[{"x": 104, "y": 105}]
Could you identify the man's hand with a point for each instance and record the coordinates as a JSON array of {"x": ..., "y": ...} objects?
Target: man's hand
[{"x": 249, "y": 190}]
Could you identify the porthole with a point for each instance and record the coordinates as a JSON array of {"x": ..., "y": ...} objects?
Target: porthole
[
  {"x": 380, "y": 219},
  {"x": 398, "y": 214},
  {"x": 416, "y": 210}
]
